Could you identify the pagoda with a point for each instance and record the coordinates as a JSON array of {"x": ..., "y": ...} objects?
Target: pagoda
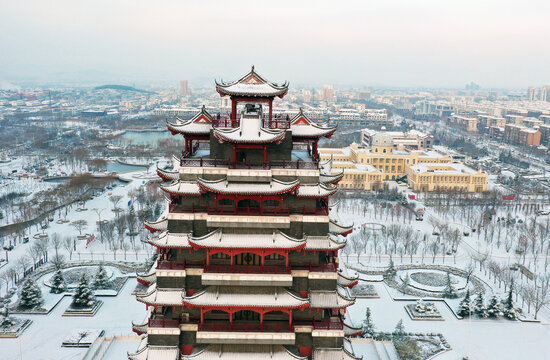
[{"x": 247, "y": 251}]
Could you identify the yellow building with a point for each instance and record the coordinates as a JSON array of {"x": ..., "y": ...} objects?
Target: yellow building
[
  {"x": 456, "y": 177},
  {"x": 368, "y": 168}
]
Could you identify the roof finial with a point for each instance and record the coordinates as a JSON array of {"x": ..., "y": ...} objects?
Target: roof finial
[{"x": 252, "y": 68}]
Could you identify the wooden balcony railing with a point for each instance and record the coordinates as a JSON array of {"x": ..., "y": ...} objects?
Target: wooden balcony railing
[
  {"x": 185, "y": 161},
  {"x": 247, "y": 269},
  {"x": 163, "y": 323},
  {"x": 254, "y": 211},
  {"x": 232, "y": 327}
]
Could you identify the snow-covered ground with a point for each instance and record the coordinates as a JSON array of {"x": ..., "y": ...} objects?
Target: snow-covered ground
[
  {"x": 477, "y": 339},
  {"x": 42, "y": 340}
]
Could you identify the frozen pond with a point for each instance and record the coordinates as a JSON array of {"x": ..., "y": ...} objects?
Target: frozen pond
[{"x": 145, "y": 137}]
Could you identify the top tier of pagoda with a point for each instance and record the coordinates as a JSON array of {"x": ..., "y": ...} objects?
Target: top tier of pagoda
[{"x": 252, "y": 85}]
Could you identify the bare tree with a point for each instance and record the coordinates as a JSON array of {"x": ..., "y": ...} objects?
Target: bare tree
[
  {"x": 56, "y": 243},
  {"x": 434, "y": 248},
  {"x": 79, "y": 225},
  {"x": 70, "y": 245}
]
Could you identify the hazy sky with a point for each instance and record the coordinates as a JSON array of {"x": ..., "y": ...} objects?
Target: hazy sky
[{"x": 441, "y": 43}]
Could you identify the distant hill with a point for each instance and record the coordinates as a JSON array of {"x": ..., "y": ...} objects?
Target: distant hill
[{"x": 121, "y": 87}]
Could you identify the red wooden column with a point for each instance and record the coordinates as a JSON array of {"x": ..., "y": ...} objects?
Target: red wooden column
[
  {"x": 315, "y": 147},
  {"x": 234, "y": 154},
  {"x": 270, "y": 109},
  {"x": 265, "y": 150},
  {"x": 233, "y": 110}
]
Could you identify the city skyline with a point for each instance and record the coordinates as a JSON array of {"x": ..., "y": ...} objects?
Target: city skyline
[{"x": 391, "y": 44}]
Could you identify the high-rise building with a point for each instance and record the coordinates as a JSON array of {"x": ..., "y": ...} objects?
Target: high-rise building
[
  {"x": 184, "y": 90},
  {"x": 544, "y": 93},
  {"x": 247, "y": 263},
  {"x": 532, "y": 93},
  {"x": 328, "y": 92}
]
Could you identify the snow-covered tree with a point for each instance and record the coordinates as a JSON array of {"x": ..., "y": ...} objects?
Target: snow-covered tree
[
  {"x": 390, "y": 271},
  {"x": 5, "y": 320},
  {"x": 83, "y": 296},
  {"x": 31, "y": 296},
  {"x": 479, "y": 307},
  {"x": 101, "y": 281},
  {"x": 405, "y": 284},
  {"x": 509, "y": 310},
  {"x": 449, "y": 291},
  {"x": 399, "y": 329},
  {"x": 465, "y": 307},
  {"x": 58, "y": 283},
  {"x": 493, "y": 308},
  {"x": 368, "y": 326}
]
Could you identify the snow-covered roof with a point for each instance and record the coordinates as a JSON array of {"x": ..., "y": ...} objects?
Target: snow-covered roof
[
  {"x": 179, "y": 187},
  {"x": 250, "y": 131},
  {"x": 200, "y": 124},
  {"x": 166, "y": 297},
  {"x": 274, "y": 187},
  {"x": 303, "y": 127},
  {"x": 336, "y": 228},
  {"x": 324, "y": 242},
  {"x": 335, "y": 299},
  {"x": 319, "y": 190},
  {"x": 246, "y": 296},
  {"x": 255, "y": 240},
  {"x": 252, "y": 84},
  {"x": 331, "y": 178},
  {"x": 167, "y": 239},
  {"x": 154, "y": 352},
  {"x": 166, "y": 175},
  {"x": 345, "y": 278},
  {"x": 160, "y": 225},
  {"x": 243, "y": 352}
]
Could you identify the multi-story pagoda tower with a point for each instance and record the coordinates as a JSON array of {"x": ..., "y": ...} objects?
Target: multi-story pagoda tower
[{"x": 247, "y": 253}]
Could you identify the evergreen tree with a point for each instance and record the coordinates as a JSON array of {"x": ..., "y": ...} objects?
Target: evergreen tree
[
  {"x": 83, "y": 296},
  {"x": 31, "y": 295},
  {"x": 479, "y": 308},
  {"x": 390, "y": 271},
  {"x": 58, "y": 283},
  {"x": 101, "y": 281},
  {"x": 493, "y": 308},
  {"x": 5, "y": 320},
  {"x": 509, "y": 309},
  {"x": 405, "y": 284},
  {"x": 465, "y": 308},
  {"x": 399, "y": 329},
  {"x": 368, "y": 326},
  {"x": 449, "y": 291}
]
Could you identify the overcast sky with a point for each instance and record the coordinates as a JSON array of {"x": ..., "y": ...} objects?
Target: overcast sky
[{"x": 432, "y": 43}]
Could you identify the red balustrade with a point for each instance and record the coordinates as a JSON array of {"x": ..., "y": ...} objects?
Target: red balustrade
[
  {"x": 163, "y": 323},
  {"x": 247, "y": 269},
  {"x": 273, "y": 164},
  {"x": 179, "y": 265},
  {"x": 232, "y": 210},
  {"x": 229, "y": 327},
  {"x": 316, "y": 267}
]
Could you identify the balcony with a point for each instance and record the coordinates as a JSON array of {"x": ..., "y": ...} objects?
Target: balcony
[
  {"x": 250, "y": 211},
  {"x": 175, "y": 265},
  {"x": 276, "y": 122},
  {"x": 316, "y": 267},
  {"x": 185, "y": 161},
  {"x": 163, "y": 323},
  {"x": 229, "y": 327},
  {"x": 337, "y": 324},
  {"x": 247, "y": 269}
]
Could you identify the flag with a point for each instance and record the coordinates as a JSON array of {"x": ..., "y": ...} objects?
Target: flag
[
  {"x": 129, "y": 202},
  {"x": 90, "y": 239}
]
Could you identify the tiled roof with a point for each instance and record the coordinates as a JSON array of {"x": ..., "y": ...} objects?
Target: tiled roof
[
  {"x": 323, "y": 299},
  {"x": 273, "y": 187},
  {"x": 249, "y": 131},
  {"x": 243, "y": 352},
  {"x": 319, "y": 190},
  {"x": 170, "y": 240},
  {"x": 243, "y": 296},
  {"x": 324, "y": 242},
  {"x": 256, "y": 240},
  {"x": 166, "y": 297},
  {"x": 179, "y": 187},
  {"x": 252, "y": 84}
]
